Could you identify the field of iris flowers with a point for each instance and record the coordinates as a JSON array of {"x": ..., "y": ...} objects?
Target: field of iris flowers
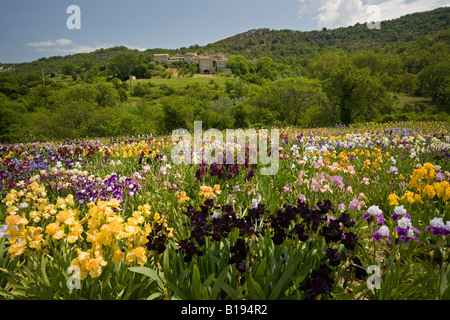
[{"x": 358, "y": 212}]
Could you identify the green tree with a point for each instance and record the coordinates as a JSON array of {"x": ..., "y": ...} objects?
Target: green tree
[
  {"x": 178, "y": 113},
  {"x": 82, "y": 92},
  {"x": 240, "y": 114},
  {"x": 323, "y": 65},
  {"x": 266, "y": 68},
  {"x": 91, "y": 73},
  {"x": 11, "y": 120},
  {"x": 122, "y": 65},
  {"x": 141, "y": 71},
  {"x": 143, "y": 89},
  {"x": 236, "y": 89},
  {"x": 405, "y": 83},
  {"x": 123, "y": 94},
  {"x": 9, "y": 85},
  {"x": 193, "y": 68},
  {"x": 239, "y": 65},
  {"x": 69, "y": 69},
  {"x": 72, "y": 118},
  {"x": 359, "y": 96},
  {"x": 387, "y": 67},
  {"x": 39, "y": 97},
  {"x": 289, "y": 99},
  {"x": 104, "y": 122},
  {"x": 224, "y": 104},
  {"x": 117, "y": 83},
  {"x": 434, "y": 82},
  {"x": 107, "y": 96},
  {"x": 88, "y": 64}
]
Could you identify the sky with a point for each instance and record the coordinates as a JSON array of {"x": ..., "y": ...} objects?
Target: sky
[{"x": 30, "y": 30}]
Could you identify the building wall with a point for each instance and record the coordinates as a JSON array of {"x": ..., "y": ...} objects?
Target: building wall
[
  {"x": 190, "y": 58},
  {"x": 206, "y": 66},
  {"x": 162, "y": 58},
  {"x": 174, "y": 59},
  {"x": 221, "y": 64}
]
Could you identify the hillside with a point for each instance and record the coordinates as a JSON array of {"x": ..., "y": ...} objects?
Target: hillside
[
  {"x": 281, "y": 44},
  {"x": 284, "y": 43}
]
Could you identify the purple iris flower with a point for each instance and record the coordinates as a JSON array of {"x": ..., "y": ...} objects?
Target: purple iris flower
[
  {"x": 381, "y": 233},
  {"x": 437, "y": 227},
  {"x": 375, "y": 212}
]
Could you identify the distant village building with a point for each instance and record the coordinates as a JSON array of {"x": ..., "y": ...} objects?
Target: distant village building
[
  {"x": 161, "y": 57},
  {"x": 174, "y": 59},
  {"x": 222, "y": 65},
  {"x": 191, "y": 58},
  {"x": 207, "y": 64}
]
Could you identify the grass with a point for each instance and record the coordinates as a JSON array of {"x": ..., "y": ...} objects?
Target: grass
[
  {"x": 183, "y": 82},
  {"x": 402, "y": 100}
]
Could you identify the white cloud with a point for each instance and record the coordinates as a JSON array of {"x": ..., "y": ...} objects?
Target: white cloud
[
  {"x": 65, "y": 46},
  {"x": 343, "y": 13},
  {"x": 63, "y": 42},
  {"x": 41, "y": 44},
  {"x": 134, "y": 48},
  {"x": 57, "y": 42},
  {"x": 395, "y": 8},
  {"x": 83, "y": 48}
]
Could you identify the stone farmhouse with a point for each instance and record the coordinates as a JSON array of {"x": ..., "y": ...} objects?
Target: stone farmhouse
[{"x": 207, "y": 64}]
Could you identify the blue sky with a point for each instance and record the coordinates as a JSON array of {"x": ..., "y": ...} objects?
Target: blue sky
[{"x": 30, "y": 30}]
